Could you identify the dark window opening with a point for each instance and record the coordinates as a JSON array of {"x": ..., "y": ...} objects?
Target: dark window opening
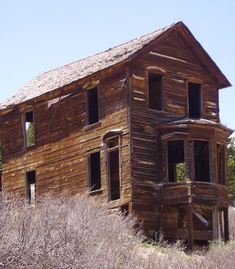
[
  {"x": 125, "y": 210},
  {"x": 176, "y": 162},
  {"x": 221, "y": 164},
  {"x": 113, "y": 149},
  {"x": 201, "y": 160},
  {"x": 31, "y": 186},
  {"x": 194, "y": 100},
  {"x": 155, "y": 91},
  {"x": 29, "y": 129},
  {"x": 92, "y": 106},
  {"x": 114, "y": 176},
  {"x": 94, "y": 171}
]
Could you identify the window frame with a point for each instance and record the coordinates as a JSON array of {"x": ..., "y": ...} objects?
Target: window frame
[
  {"x": 210, "y": 160},
  {"x": 107, "y": 151},
  {"x": 24, "y": 129},
  {"x": 87, "y": 105},
  {"x": 167, "y": 158},
  {"x": 148, "y": 73},
  {"x": 194, "y": 81},
  {"x": 89, "y": 171},
  {"x": 27, "y": 185}
]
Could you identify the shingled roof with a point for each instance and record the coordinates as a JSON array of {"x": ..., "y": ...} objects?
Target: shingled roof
[
  {"x": 69, "y": 73},
  {"x": 64, "y": 75}
]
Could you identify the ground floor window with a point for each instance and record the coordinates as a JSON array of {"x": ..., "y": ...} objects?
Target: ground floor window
[
  {"x": 113, "y": 167},
  {"x": 94, "y": 171},
  {"x": 31, "y": 186}
]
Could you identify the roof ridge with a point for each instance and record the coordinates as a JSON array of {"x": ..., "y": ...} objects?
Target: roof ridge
[
  {"x": 109, "y": 49},
  {"x": 63, "y": 75}
]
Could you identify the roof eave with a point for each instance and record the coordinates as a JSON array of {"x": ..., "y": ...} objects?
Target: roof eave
[
  {"x": 195, "y": 47},
  {"x": 203, "y": 56},
  {"x": 47, "y": 96},
  {"x": 190, "y": 122}
]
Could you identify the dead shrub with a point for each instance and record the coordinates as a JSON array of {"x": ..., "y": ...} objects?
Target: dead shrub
[
  {"x": 80, "y": 232},
  {"x": 65, "y": 232}
]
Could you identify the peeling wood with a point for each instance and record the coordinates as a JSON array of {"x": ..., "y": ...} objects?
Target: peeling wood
[{"x": 185, "y": 210}]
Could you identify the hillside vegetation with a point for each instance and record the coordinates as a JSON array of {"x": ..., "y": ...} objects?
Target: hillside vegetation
[{"x": 79, "y": 232}]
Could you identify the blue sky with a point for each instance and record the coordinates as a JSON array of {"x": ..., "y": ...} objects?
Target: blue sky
[{"x": 37, "y": 36}]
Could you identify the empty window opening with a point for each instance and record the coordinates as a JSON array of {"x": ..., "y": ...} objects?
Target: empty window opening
[
  {"x": 202, "y": 219},
  {"x": 221, "y": 164},
  {"x": 94, "y": 171},
  {"x": 92, "y": 106},
  {"x": 113, "y": 167},
  {"x": 114, "y": 175},
  {"x": 201, "y": 160},
  {"x": 176, "y": 163},
  {"x": 194, "y": 100},
  {"x": 29, "y": 129},
  {"x": 155, "y": 95},
  {"x": 31, "y": 186},
  {"x": 125, "y": 210}
]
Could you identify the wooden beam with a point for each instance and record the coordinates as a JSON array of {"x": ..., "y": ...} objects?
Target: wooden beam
[
  {"x": 226, "y": 225},
  {"x": 215, "y": 223},
  {"x": 190, "y": 226}
]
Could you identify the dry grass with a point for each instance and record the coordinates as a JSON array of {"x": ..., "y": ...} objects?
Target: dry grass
[{"x": 79, "y": 232}]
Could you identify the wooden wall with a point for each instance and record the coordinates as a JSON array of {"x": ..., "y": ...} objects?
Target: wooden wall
[
  {"x": 63, "y": 140},
  {"x": 178, "y": 65}
]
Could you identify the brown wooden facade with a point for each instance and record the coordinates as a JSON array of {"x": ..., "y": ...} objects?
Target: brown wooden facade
[{"x": 124, "y": 132}]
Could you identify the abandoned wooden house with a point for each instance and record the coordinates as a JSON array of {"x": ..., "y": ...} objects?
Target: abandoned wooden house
[{"x": 137, "y": 125}]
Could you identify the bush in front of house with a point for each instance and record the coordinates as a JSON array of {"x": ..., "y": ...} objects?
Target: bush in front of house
[{"x": 81, "y": 232}]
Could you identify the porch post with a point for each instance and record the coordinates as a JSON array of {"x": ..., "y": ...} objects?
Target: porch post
[
  {"x": 226, "y": 225},
  {"x": 190, "y": 226},
  {"x": 215, "y": 223}
]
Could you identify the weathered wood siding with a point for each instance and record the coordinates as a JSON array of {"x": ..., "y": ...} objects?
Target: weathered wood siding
[
  {"x": 175, "y": 61},
  {"x": 63, "y": 140}
]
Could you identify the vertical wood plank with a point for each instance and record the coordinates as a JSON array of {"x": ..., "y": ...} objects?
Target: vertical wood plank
[
  {"x": 215, "y": 223},
  {"x": 190, "y": 226},
  {"x": 226, "y": 225}
]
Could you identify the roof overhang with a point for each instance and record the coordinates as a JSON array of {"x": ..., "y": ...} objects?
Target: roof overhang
[
  {"x": 120, "y": 55},
  {"x": 181, "y": 125},
  {"x": 195, "y": 47}
]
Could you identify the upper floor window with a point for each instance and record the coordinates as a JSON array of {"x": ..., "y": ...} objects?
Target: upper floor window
[
  {"x": 155, "y": 91},
  {"x": 29, "y": 129},
  {"x": 92, "y": 106},
  {"x": 194, "y": 100}
]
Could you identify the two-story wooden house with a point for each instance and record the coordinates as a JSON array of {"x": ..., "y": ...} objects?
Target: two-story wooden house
[{"x": 137, "y": 125}]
